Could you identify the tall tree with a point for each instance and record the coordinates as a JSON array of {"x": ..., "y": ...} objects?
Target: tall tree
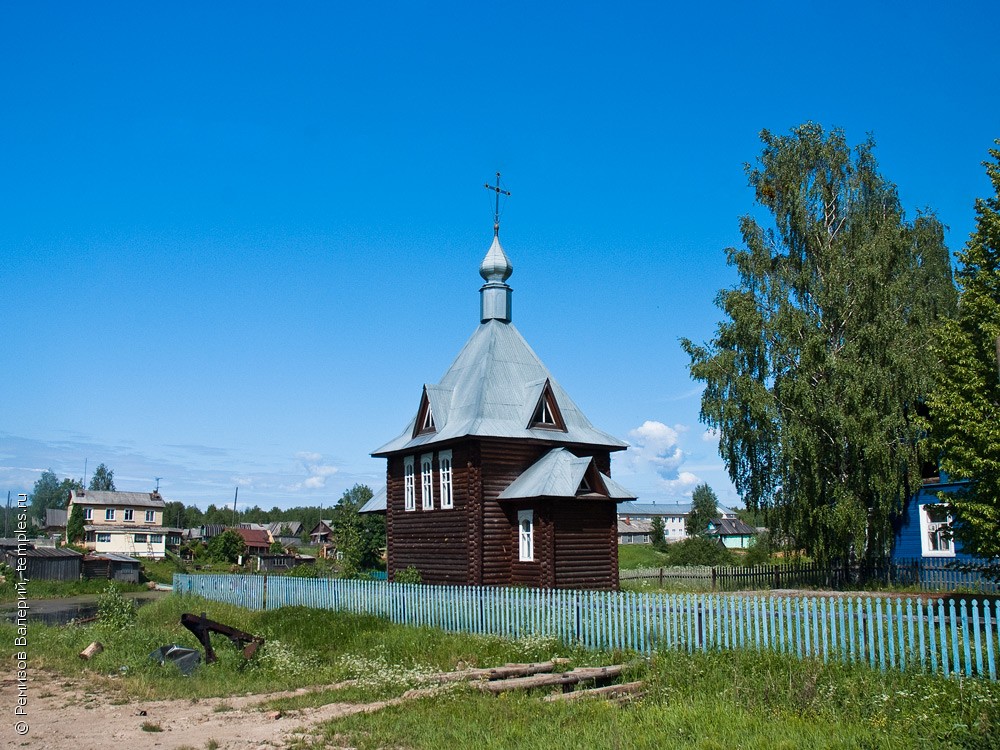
[
  {"x": 965, "y": 402},
  {"x": 75, "y": 531},
  {"x": 704, "y": 509},
  {"x": 656, "y": 533},
  {"x": 103, "y": 479},
  {"x": 360, "y": 537},
  {"x": 813, "y": 377},
  {"x": 49, "y": 492}
]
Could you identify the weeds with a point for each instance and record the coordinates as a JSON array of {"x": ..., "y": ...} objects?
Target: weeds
[{"x": 701, "y": 700}]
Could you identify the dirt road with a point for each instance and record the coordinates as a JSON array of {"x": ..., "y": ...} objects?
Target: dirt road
[{"x": 70, "y": 714}]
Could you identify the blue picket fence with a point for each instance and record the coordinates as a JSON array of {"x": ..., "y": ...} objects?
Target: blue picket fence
[
  {"x": 926, "y": 575},
  {"x": 953, "y": 637}
]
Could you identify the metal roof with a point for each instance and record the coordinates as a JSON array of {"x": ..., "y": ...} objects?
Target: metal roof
[
  {"x": 558, "y": 474},
  {"x": 114, "y": 557},
  {"x": 55, "y": 517},
  {"x": 730, "y": 527},
  {"x": 665, "y": 509},
  {"x": 491, "y": 390},
  {"x": 49, "y": 552},
  {"x": 134, "y": 528},
  {"x": 102, "y": 497},
  {"x": 376, "y": 504},
  {"x": 634, "y": 527}
]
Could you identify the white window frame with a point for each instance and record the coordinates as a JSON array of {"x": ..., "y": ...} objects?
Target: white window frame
[
  {"x": 445, "y": 475},
  {"x": 427, "y": 481},
  {"x": 150, "y": 516},
  {"x": 409, "y": 493},
  {"x": 109, "y": 514},
  {"x": 128, "y": 513},
  {"x": 526, "y": 535},
  {"x": 103, "y": 537},
  {"x": 929, "y": 528},
  {"x": 139, "y": 538},
  {"x": 156, "y": 538},
  {"x": 88, "y": 514}
]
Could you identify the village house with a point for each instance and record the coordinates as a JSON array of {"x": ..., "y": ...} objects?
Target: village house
[
  {"x": 128, "y": 523},
  {"x": 673, "y": 515},
  {"x": 499, "y": 478},
  {"x": 258, "y": 541},
  {"x": 322, "y": 533},
  {"x": 731, "y": 533},
  {"x": 923, "y": 529}
]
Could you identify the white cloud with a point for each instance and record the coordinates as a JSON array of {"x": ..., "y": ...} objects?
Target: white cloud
[
  {"x": 711, "y": 435},
  {"x": 682, "y": 485},
  {"x": 656, "y": 446},
  {"x": 317, "y": 471}
]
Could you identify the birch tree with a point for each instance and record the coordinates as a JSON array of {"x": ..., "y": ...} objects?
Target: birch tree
[{"x": 813, "y": 376}]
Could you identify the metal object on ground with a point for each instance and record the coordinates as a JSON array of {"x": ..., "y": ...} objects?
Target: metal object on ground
[
  {"x": 186, "y": 659},
  {"x": 203, "y": 628}
]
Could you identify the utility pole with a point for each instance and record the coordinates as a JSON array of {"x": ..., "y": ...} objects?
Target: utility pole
[
  {"x": 6, "y": 518},
  {"x": 234, "y": 505}
]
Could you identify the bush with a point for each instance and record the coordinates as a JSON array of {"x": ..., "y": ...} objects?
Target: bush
[
  {"x": 760, "y": 551},
  {"x": 226, "y": 547},
  {"x": 114, "y": 611},
  {"x": 698, "y": 551},
  {"x": 409, "y": 575},
  {"x": 304, "y": 571}
]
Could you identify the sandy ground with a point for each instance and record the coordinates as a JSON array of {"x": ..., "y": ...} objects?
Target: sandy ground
[{"x": 67, "y": 714}]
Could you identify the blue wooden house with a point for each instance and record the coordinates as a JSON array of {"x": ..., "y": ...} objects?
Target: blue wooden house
[{"x": 921, "y": 532}]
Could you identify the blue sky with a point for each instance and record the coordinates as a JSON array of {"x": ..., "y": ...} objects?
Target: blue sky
[{"x": 235, "y": 240}]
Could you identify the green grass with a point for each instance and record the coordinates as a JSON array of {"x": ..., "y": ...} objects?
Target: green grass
[
  {"x": 40, "y": 589},
  {"x": 631, "y": 556},
  {"x": 162, "y": 571},
  {"x": 706, "y": 700}
]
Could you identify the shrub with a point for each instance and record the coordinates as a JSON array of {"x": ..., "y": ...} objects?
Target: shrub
[
  {"x": 115, "y": 611},
  {"x": 227, "y": 546},
  {"x": 304, "y": 571},
  {"x": 760, "y": 551},
  {"x": 409, "y": 575},
  {"x": 698, "y": 551}
]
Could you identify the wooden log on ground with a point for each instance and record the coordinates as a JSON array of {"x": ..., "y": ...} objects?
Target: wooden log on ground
[
  {"x": 497, "y": 673},
  {"x": 91, "y": 651},
  {"x": 608, "y": 691},
  {"x": 550, "y": 680}
]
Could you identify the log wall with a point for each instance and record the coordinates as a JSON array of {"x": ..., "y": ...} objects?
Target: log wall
[{"x": 476, "y": 542}]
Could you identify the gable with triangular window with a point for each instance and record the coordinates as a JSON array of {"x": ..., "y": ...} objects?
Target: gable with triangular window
[
  {"x": 592, "y": 483},
  {"x": 546, "y": 414},
  {"x": 425, "y": 417}
]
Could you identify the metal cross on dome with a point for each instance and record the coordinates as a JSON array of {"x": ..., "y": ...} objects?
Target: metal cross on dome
[{"x": 496, "y": 211}]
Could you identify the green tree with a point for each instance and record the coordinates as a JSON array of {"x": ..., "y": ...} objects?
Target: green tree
[
  {"x": 176, "y": 514},
  {"x": 360, "y": 537},
  {"x": 704, "y": 508},
  {"x": 74, "y": 525},
  {"x": 227, "y": 546},
  {"x": 813, "y": 377},
  {"x": 49, "y": 492},
  {"x": 965, "y": 402},
  {"x": 656, "y": 535},
  {"x": 103, "y": 479}
]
